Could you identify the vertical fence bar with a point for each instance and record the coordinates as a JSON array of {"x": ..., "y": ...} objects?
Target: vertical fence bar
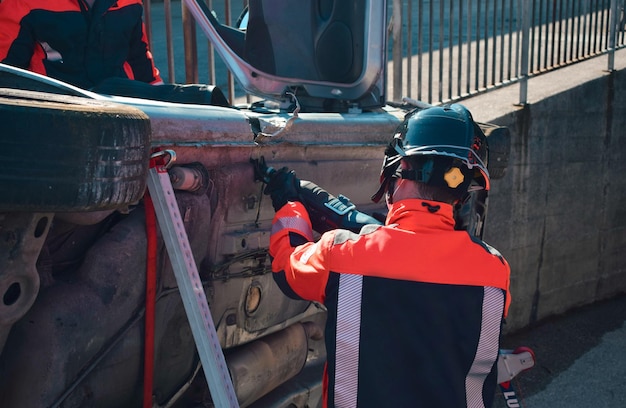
[
  {"x": 588, "y": 25},
  {"x": 440, "y": 43},
  {"x": 574, "y": 42},
  {"x": 539, "y": 27},
  {"x": 502, "y": 37},
  {"x": 396, "y": 35},
  {"x": 248, "y": 96},
  {"x": 526, "y": 9},
  {"x": 486, "y": 45},
  {"x": 459, "y": 74},
  {"x": 231, "y": 80},
  {"x": 191, "y": 47},
  {"x": 477, "y": 64},
  {"x": 169, "y": 41},
  {"x": 210, "y": 53},
  {"x": 546, "y": 22},
  {"x": 576, "y": 16},
  {"x": 409, "y": 47},
  {"x": 431, "y": 13},
  {"x": 450, "y": 47},
  {"x": 545, "y": 27},
  {"x": 606, "y": 25},
  {"x": 147, "y": 20},
  {"x": 578, "y": 29},
  {"x": 600, "y": 25},
  {"x": 597, "y": 33},
  {"x": 518, "y": 40},
  {"x": 420, "y": 48},
  {"x": 468, "y": 68},
  {"x": 620, "y": 23},
  {"x": 510, "y": 57},
  {"x": 581, "y": 30},
  {"x": 559, "y": 32},
  {"x": 567, "y": 42},
  {"x": 549, "y": 55},
  {"x": 494, "y": 48},
  {"x": 534, "y": 33},
  {"x": 612, "y": 36}
]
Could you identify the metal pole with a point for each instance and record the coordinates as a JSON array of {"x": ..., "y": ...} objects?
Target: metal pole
[
  {"x": 396, "y": 34},
  {"x": 211, "y": 54},
  {"x": 231, "y": 79},
  {"x": 409, "y": 48},
  {"x": 523, "y": 95},
  {"x": 430, "y": 51},
  {"x": 612, "y": 36},
  {"x": 147, "y": 19},
  {"x": 171, "y": 71},
  {"x": 191, "y": 47},
  {"x": 190, "y": 287}
]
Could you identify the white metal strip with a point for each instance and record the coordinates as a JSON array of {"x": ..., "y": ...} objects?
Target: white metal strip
[{"x": 191, "y": 290}]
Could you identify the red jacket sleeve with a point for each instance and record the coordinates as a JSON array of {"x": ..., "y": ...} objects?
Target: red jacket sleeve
[
  {"x": 11, "y": 13},
  {"x": 26, "y": 52}
]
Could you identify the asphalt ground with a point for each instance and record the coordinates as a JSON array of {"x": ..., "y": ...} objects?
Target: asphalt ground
[{"x": 580, "y": 359}]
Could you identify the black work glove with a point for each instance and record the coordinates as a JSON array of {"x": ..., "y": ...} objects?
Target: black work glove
[{"x": 283, "y": 186}]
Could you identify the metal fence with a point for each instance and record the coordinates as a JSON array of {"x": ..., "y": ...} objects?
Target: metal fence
[{"x": 438, "y": 50}]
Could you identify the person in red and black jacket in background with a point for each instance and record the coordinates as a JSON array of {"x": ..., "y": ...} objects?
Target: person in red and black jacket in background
[
  {"x": 99, "y": 45},
  {"x": 415, "y": 307},
  {"x": 81, "y": 42}
]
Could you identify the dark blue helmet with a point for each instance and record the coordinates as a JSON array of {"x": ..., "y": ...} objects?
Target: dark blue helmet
[{"x": 444, "y": 147}]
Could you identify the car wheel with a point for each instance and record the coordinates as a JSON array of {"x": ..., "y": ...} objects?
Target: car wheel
[{"x": 65, "y": 153}]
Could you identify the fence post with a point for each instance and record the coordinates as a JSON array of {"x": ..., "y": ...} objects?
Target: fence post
[
  {"x": 612, "y": 35},
  {"x": 396, "y": 35},
  {"x": 526, "y": 10},
  {"x": 191, "y": 47},
  {"x": 147, "y": 21}
]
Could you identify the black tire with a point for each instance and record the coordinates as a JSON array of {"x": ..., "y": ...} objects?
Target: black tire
[{"x": 62, "y": 153}]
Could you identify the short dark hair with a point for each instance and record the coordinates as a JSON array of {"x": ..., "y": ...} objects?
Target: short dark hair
[
  {"x": 439, "y": 193},
  {"x": 433, "y": 186}
]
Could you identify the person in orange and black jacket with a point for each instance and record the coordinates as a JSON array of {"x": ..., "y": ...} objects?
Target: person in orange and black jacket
[
  {"x": 81, "y": 42},
  {"x": 415, "y": 307}
]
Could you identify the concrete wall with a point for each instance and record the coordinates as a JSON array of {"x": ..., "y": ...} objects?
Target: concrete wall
[{"x": 559, "y": 214}]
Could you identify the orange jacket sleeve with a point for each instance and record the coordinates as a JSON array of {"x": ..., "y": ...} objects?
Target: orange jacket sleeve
[{"x": 302, "y": 265}]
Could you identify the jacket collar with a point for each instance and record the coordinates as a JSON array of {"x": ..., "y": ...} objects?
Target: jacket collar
[{"x": 412, "y": 214}]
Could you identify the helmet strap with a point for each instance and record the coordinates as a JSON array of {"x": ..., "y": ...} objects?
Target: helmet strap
[
  {"x": 381, "y": 190},
  {"x": 391, "y": 190},
  {"x": 390, "y": 167}
]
